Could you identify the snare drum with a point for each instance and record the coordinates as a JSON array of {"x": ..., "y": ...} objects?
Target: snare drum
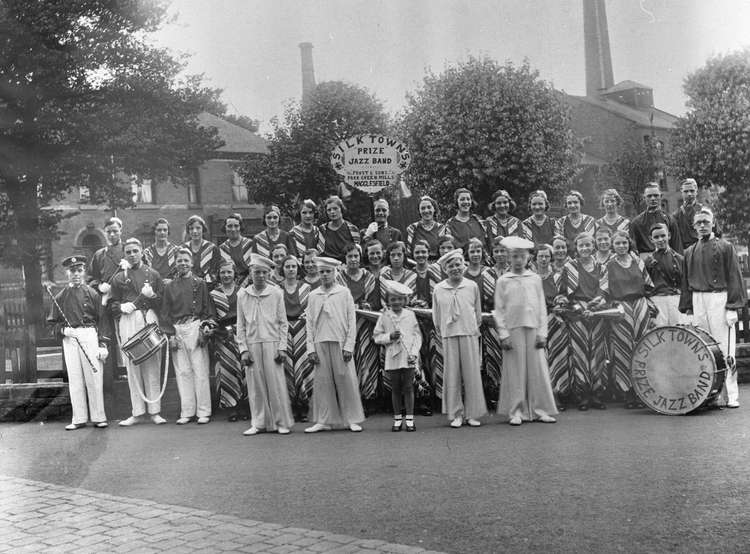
[
  {"x": 144, "y": 344},
  {"x": 677, "y": 369}
]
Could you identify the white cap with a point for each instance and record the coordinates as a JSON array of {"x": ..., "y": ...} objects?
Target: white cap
[
  {"x": 261, "y": 261},
  {"x": 448, "y": 256},
  {"x": 396, "y": 288},
  {"x": 517, "y": 243},
  {"x": 323, "y": 261}
]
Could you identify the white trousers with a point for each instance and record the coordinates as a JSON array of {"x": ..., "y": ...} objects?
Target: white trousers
[
  {"x": 145, "y": 375},
  {"x": 83, "y": 383},
  {"x": 191, "y": 368},
  {"x": 709, "y": 313},
  {"x": 669, "y": 314}
]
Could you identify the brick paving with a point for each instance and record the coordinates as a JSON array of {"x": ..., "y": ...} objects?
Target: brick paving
[{"x": 42, "y": 517}]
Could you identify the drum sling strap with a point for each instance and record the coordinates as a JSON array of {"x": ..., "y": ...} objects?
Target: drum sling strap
[{"x": 165, "y": 368}]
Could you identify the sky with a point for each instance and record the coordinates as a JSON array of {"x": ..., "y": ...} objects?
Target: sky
[{"x": 249, "y": 48}]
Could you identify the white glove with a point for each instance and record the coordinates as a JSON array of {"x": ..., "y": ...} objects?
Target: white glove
[
  {"x": 102, "y": 353},
  {"x": 147, "y": 291},
  {"x": 67, "y": 332},
  {"x": 127, "y": 307},
  {"x": 372, "y": 228},
  {"x": 124, "y": 264},
  {"x": 104, "y": 288},
  {"x": 731, "y": 317}
]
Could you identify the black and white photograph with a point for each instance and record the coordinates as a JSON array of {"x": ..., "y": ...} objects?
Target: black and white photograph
[{"x": 374, "y": 276}]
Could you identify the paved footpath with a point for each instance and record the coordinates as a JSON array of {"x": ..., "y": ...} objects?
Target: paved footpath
[{"x": 41, "y": 517}]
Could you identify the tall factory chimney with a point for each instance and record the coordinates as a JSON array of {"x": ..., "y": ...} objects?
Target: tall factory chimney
[
  {"x": 599, "y": 75},
  {"x": 308, "y": 72}
]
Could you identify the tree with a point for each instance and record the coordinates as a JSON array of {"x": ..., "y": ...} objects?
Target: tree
[
  {"x": 298, "y": 165},
  {"x": 484, "y": 126},
  {"x": 242, "y": 121},
  {"x": 84, "y": 96},
  {"x": 636, "y": 165},
  {"x": 711, "y": 143}
]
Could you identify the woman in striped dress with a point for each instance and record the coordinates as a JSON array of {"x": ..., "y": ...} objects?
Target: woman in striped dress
[
  {"x": 206, "y": 255},
  {"x": 231, "y": 389},
  {"x": 464, "y": 225},
  {"x": 501, "y": 223},
  {"x": 575, "y": 223},
  {"x": 237, "y": 248},
  {"x": 427, "y": 228},
  {"x": 310, "y": 268},
  {"x": 375, "y": 264},
  {"x": 422, "y": 300},
  {"x": 539, "y": 227},
  {"x": 558, "y": 338},
  {"x": 305, "y": 234},
  {"x": 278, "y": 255},
  {"x": 630, "y": 285},
  {"x": 362, "y": 286},
  {"x": 582, "y": 288},
  {"x": 298, "y": 371},
  {"x": 436, "y": 274},
  {"x": 559, "y": 253},
  {"x": 337, "y": 233},
  {"x": 603, "y": 237},
  {"x": 610, "y": 202},
  {"x": 272, "y": 235}
]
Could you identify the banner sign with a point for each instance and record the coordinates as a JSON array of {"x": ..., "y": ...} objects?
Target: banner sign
[{"x": 370, "y": 162}]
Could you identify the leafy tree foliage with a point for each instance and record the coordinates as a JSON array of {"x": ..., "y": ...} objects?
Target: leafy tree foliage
[
  {"x": 242, "y": 121},
  {"x": 636, "y": 165},
  {"x": 485, "y": 126},
  {"x": 300, "y": 146},
  {"x": 83, "y": 95},
  {"x": 712, "y": 142}
]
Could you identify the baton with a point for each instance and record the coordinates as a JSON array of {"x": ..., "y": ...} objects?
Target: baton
[{"x": 78, "y": 342}]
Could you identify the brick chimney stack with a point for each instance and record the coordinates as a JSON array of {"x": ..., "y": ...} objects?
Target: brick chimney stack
[
  {"x": 308, "y": 72},
  {"x": 599, "y": 75}
]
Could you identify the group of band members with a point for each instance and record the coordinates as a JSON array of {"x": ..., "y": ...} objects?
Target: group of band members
[{"x": 311, "y": 323}]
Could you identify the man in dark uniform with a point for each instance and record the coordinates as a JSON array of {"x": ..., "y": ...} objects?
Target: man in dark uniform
[
  {"x": 640, "y": 227},
  {"x": 713, "y": 290},
  {"x": 379, "y": 229},
  {"x": 106, "y": 261},
  {"x": 77, "y": 314},
  {"x": 664, "y": 265}
]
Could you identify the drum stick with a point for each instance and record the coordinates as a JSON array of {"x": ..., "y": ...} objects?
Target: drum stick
[{"x": 78, "y": 342}]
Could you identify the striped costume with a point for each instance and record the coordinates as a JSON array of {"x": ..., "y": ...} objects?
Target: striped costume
[
  {"x": 303, "y": 240},
  {"x": 163, "y": 264},
  {"x": 264, "y": 244},
  {"x": 541, "y": 233},
  {"x": 240, "y": 255},
  {"x": 436, "y": 344},
  {"x": 462, "y": 231},
  {"x": 231, "y": 389},
  {"x": 416, "y": 231},
  {"x": 629, "y": 286},
  {"x": 299, "y": 372},
  {"x": 558, "y": 338},
  {"x": 332, "y": 243},
  {"x": 205, "y": 260},
  {"x": 366, "y": 352},
  {"x": 620, "y": 224},
  {"x": 565, "y": 228},
  {"x": 495, "y": 228},
  {"x": 587, "y": 336},
  {"x": 492, "y": 354}
]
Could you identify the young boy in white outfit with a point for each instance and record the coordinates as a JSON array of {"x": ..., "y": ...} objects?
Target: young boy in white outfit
[
  {"x": 457, "y": 314},
  {"x": 521, "y": 318},
  {"x": 398, "y": 330}
]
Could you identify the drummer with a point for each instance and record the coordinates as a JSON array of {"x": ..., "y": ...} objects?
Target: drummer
[
  {"x": 187, "y": 312},
  {"x": 78, "y": 313},
  {"x": 664, "y": 265},
  {"x": 136, "y": 295},
  {"x": 713, "y": 290}
]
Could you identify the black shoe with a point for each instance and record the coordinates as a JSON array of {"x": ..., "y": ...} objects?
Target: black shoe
[
  {"x": 410, "y": 428},
  {"x": 397, "y": 426},
  {"x": 233, "y": 417},
  {"x": 597, "y": 404},
  {"x": 425, "y": 411},
  {"x": 583, "y": 406}
]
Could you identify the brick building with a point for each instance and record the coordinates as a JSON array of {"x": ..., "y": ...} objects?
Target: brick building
[{"x": 215, "y": 191}]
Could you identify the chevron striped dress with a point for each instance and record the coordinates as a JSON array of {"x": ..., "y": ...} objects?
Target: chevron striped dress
[
  {"x": 539, "y": 233},
  {"x": 298, "y": 371},
  {"x": 630, "y": 286},
  {"x": 331, "y": 243},
  {"x": 492, "y": 354},
  {"x": 206, "y": 260},
  {"x": 620, "y": 224},
  {"x": 558, "y": 339},
  {"x": 436, "y": 345},
  {"x": 366, "y": 352},
  {"x": 565, "y": 227},
  {"x": 587, "y": 336},
  {"x": 240, "y": 255},
  {"x": 495, "y": 228},
  {"x": 408, "y": 278},
  {"x": 416, "y": 231},
  {"x": 303, "y": 240},
  {"x": 263, "y": 243},
  {"x": 423, "y": 299},
  {"x": 231, "y": 389},
  {"x": 163, "y": 264}
]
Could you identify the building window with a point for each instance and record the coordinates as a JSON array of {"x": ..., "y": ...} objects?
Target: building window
[
  {"x": 193, "y": 193},
  {"x": 84, "y": 194},
  {"x": 142, "y": 190},
  {"x": 239, "y": 190}
]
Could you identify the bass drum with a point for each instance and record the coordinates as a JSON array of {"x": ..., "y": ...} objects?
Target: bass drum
[{"x": 677, "y": 369}]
